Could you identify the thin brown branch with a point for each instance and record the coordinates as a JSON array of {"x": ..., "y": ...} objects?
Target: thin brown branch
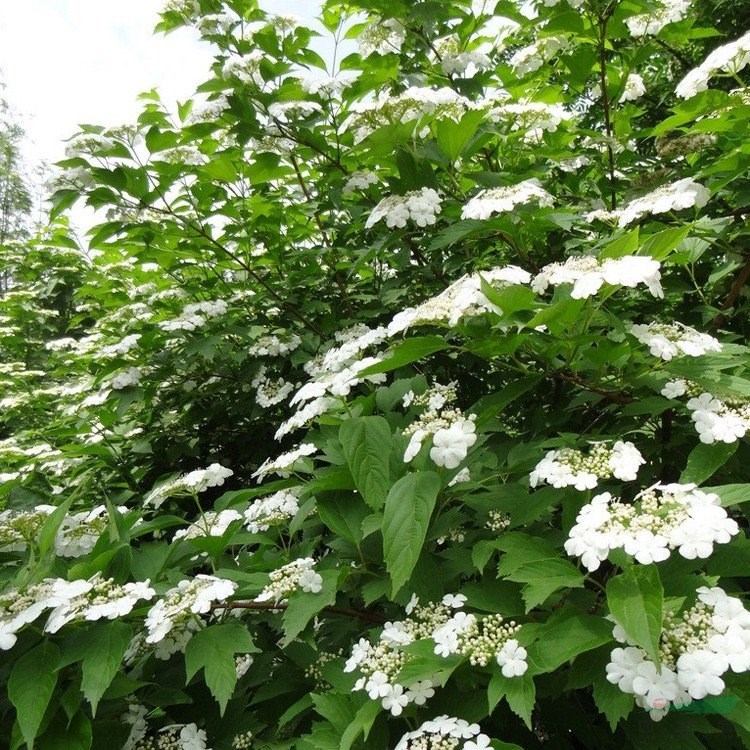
[{"x": 264, "y": 607}]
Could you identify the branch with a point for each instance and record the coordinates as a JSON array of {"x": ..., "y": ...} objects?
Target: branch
[
  {"x": 734, "y": 292},
  {"x": 262, "y": 606},
  {"x": 617, "y": 397}
]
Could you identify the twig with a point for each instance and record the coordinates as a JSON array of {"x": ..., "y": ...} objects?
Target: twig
[{"x": 262, "y": 606}]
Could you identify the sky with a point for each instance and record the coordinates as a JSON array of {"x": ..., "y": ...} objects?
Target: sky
[{"x": 66, "y": 62}]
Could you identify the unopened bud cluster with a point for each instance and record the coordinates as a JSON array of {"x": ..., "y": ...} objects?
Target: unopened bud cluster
[
  {"x": 453, "y": 632},
  {"x": 445, "y": 733},
  {"x": 569, "y": 467},
  {"x": 290, "y": 577},
  {"x": 452, "y": 433}
]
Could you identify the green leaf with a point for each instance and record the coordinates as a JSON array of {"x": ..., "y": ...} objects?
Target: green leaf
[
  {"x": 636, "y": 600},
  {"x": 361, "y": 724},
  {"x": 303, "y": 606},
  {"x": 566, "y": 634},
  {"x": 51, "y": 526},
  {"x": 490, "y": 406},
  {"x": 30, "y": 686},
  {"x": 612, "y": 702},
  {"x": 407, "y": 352},
  {"x": 731, "y": 494},
  {"x": 62, "y": 734},
  {"x": 107, "y": 645},
  {"x": 519, "y": 692},
  {"x": 453, "y": 136},
  {"x": 366, "y": 442},
  {"x": 544, "y": 577},
  {"x": 660, "y": 245},
  {"x": 625, "y": 245},
  {"x": 212, "y": 649},
  {"x": 343, "y": 514},
  {"x": 705, "y": 460},
  {"x": 408, "y": 509}
]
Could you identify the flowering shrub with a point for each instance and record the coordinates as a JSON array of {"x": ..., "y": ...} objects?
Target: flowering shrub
[{"x": 399, "y": 401}]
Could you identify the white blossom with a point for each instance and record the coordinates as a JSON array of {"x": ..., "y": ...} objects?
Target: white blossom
[{"x": 500, "y": 200}]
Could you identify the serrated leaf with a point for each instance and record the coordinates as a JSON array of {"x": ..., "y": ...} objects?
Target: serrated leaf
[
  {"x": 360, "y": 724},
  {"x": 565, "y": 635},
  {"x": 212, "y": 649},
  {"x": 411, "y": 350},
  {"x": 636, "y": 600},
  {"x": 30, "y": 686},
  {"x": 62, "y": 734},
  {"x": 407, "y": 513},
  {"x": 366, "y": 442},
  {"x": 519, "y": 692},
  {"x": 303, "y": 606},
  {"x": 544, "y": 577},
  {"x": 107, "y": 645},
  {"x": 705, "y": 460},
  {"x": 343, "y": 514},
  {"x": 612, "y": 702}
]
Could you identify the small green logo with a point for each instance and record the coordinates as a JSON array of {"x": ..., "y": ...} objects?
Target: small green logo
[{"x": 715, "y": 704}]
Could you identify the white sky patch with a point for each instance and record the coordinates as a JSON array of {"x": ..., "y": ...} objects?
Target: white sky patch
[
  {"x": 70, "y": 62},
  {"x": 67, "y": 62}
]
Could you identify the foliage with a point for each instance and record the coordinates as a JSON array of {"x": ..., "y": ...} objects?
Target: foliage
[{"x": 368, "y": 417}]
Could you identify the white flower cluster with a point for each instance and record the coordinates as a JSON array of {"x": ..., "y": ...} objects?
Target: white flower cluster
[
  {"x": 729, "y": 58},
  {"x": 76, "y": 535},
  {"x": 464, "y": 298},
  {"x": 298, "y": 574},
  {"x": 19, "y": 527},
  {"x": 452, "y": 434},
  {"x": 634, "y": 88},
  {"x": 79, "y": 532},
  {"x": 284, "y": 464},
  {"x": 532, "y": 117},
  {"x": 569, "y": 467},
  {"x": 270, "y": 392},
  {"x": 195, "y": 315},
  {"x": 587, "y": 274},
  {"x": 270, "y": 511},
  {"x": 181, "y": 604},
  {"x": 650, "y": 24},
  {"x": 408, "y": 106},
  {"x": 211, "y": 523},
  {"x": 455, "y": 60},
  {"x": 381, "y": 37},
  {"x": 685, "y": 193},
  {"x": 359, "y": 181},
  {"x": 503, "y": 199},
  {"x": 246, "y": 68},
  {"x": 288, "y": 111},
  {"x": 666, "y": 340},
  {"x": 91, "y": 599},
  {"x": 445, "y": 733},
  {"x": 531, "y": 58},
  {"x": 174, "y": 737},
  {"x": 126, "y": 379},
  {"x": 334, "y": 375},
  {"x": 662, "y": 518},
  {"x": 189, "y": 484},
  {"x": 452, "y": 630},
  {"x": 421, "y": 206},
  {"x": 273, "y": 345},
  {"x": 696, "y": 649},
  {"x": 719, "y": 421}
]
